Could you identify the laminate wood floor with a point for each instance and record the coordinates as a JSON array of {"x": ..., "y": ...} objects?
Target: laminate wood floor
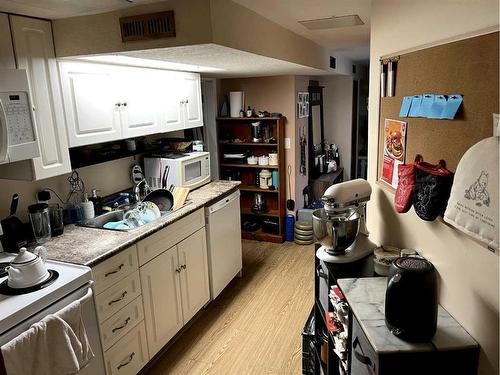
[{"x": 255, "y": 325}]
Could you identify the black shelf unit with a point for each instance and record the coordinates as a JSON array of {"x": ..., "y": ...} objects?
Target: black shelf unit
[{"x": 326, "y": 275}]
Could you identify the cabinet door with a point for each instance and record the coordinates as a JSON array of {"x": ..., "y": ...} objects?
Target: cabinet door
[
  {"x": 194, "y": 273},
  {"x": 191, "y": 86},
  {"x": 162, "y": 299},
  {"x": 7, "y": 60},
  {"x": 91, "y": 103},
  {"x": 141, "y": 111},
  {"x": 171, "y": 96},
  {"x": 34, "y": 50}
]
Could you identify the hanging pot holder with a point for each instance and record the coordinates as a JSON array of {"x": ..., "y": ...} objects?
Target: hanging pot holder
[
  {"x": 406, "y": 185},
  {"x": 432, "y": 189}
]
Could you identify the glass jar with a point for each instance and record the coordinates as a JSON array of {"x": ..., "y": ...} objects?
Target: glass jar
[{"x": 40, "y": 221}]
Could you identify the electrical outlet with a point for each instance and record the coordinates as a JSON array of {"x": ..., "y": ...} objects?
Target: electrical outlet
[{"x": 287, "y": 143}]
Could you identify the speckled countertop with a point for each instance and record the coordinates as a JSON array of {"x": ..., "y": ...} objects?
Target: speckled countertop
[
  {"x": 88, "y": 246},
  {"x": 366, "y": 298}
]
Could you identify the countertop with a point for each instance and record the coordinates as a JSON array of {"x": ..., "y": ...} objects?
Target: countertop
[
  {"x": 89, "y": 246},
  {"x": 366, "y": 298}
]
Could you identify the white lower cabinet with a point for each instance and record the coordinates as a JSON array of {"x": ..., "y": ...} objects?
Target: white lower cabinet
[
  {"x": 174, "y": 287},
  {"x": 149, "y": 291},
  {"x": 194, "y": 273},
  {"x": 162, "y": 299},
  {"x": 129, "y": 355}
]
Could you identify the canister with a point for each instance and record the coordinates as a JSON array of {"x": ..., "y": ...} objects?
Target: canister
[
  {"x": 275, "y": 179},
  {"x": 265, "y": 179}
]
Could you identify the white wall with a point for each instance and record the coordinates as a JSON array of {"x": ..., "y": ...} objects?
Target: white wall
[
  {"x": 337, "y": 105},
  {"x": 468, "y": 272}
]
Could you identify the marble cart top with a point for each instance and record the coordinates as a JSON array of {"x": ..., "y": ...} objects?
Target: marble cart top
[{"x": 366, "y": 298}]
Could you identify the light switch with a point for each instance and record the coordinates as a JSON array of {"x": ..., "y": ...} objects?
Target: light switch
[{"x": 287, "y": 143}]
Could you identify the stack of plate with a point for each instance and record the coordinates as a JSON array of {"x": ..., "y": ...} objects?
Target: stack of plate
[{"x": 303, "y": 233}]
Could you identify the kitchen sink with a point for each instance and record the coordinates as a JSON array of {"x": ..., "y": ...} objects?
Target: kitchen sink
[{"x": 100, "y": 221}]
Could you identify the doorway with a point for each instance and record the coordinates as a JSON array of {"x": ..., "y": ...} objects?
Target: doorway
[{"x": 359, "y": 135}]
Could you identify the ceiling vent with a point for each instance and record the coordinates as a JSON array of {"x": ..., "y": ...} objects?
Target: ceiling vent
[
  {"x": 148, "y": 26},
  {"x": 333, "y": 22}
]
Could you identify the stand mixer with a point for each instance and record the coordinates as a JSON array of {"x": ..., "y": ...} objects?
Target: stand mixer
[{"x": 340, "y": 227}]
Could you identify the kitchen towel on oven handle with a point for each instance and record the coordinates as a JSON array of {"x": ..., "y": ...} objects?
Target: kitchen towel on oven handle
[
  {"x": 406, "y": 185},
  {"x": 432, "y": 189}
]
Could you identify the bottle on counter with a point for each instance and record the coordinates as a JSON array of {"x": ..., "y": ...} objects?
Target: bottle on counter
[{"x": 97, "y": 201}]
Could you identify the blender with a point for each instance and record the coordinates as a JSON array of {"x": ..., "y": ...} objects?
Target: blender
[{"x": 340, "y": 227}]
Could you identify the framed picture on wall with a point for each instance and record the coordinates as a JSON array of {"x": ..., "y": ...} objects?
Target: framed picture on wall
[{"x": 303, "y": 104}]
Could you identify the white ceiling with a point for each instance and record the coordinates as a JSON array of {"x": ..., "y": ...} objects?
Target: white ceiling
[
  {"x": 352, "y": 41},
  {"x": 228, "y": 62},
  {"x": 53, "y": 9}
]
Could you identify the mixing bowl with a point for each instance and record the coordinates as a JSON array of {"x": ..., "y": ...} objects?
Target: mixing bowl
[{"x": 336, "y": 231}]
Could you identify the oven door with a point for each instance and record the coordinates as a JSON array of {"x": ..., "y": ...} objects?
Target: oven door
[
  {"x": 195, "y": 172},
  {"x": 86, "y": 296}
]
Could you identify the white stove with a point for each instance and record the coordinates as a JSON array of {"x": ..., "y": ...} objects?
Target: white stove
[
  {"x": 19, "y": 312},
  {"x": 15, "y": 309}
]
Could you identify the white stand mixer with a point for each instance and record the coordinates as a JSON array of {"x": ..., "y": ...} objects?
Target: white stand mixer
[{"x": 340, "y": 227}]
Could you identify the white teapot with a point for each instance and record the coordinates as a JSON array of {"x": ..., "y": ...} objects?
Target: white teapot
[{"x": 28, "y": 269}]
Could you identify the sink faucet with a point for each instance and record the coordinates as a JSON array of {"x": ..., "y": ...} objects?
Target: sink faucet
[{"x": 137, "y": 189}]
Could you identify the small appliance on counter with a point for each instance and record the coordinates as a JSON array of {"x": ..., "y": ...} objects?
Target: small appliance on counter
[
  {"x": 411, "y": 302},
  {"x": 189, "y": 170},
  {"x": 340, "y": 227},
  {"x": 13, "y": 235}
]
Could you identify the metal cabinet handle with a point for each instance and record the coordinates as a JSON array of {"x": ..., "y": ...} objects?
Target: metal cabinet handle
[
  {"x": 130, "y": 358},
  {"x": 187, "y": 101},
  {"x": 183, "y": 266},
  {"x": 114, "y": 271},
  {"x": 118, "y": 104},
  {"x": 320, "y": 273},
  {"x": 360, "y": 357},
  {"x": 118, "y": 299},
  {"x": 178, "y": 270},
  {"x": 122, "y": 326}
]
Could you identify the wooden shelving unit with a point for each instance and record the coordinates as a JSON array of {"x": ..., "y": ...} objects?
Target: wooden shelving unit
[{"x": 229, "y": 129}]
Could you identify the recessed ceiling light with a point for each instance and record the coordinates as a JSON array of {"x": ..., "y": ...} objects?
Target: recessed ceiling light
[
  {"x": 333, "y": 22},
  {"x": 149, "y": 63}
]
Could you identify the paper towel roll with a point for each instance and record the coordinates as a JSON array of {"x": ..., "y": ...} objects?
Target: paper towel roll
[{"x": 236, "y": 102}]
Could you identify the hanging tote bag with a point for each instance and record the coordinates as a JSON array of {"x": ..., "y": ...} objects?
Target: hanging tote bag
[
  {"x": 432, "y": 189},
  {"x": 406, "y": 185},
  {"x": 474, "y": 202}
]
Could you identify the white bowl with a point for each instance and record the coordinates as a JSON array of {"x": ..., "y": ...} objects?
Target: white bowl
[{"x": 263, "y": 160}]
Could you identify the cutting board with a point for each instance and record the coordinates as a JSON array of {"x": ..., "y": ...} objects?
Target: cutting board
[{"x": 180, "y": 195}]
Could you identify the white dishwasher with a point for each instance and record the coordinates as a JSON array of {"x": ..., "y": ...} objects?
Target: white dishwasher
[{"x": 224, "y": 242}]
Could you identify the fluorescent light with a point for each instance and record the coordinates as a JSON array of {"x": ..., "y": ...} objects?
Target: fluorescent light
[
  {"x": 333, "y": 22},
  {"x": 149, "y": 63}
]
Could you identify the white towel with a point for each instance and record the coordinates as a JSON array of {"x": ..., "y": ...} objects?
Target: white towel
[{"x": 58, "y": 344}]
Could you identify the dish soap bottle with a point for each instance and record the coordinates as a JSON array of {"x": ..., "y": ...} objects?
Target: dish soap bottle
[{"x": 97, "y": 201}]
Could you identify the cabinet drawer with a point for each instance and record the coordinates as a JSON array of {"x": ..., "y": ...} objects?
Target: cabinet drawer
[
  {"x": 364, "y": 360},
  {"x": 128, "y": 355},
  {"x": 114, "y": 269},
  {"x": 161, "y": 241},
  {"x": 115, "y": 298},
  {"x": 122, "y": 322}
]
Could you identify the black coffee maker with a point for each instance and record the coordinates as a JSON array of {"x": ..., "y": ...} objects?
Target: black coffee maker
[{"x": 411, "y": 299}]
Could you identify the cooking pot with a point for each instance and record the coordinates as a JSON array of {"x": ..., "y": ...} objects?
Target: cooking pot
[
  {"x": 336, "y": 231},
  {"x": 28, "y": 269}
]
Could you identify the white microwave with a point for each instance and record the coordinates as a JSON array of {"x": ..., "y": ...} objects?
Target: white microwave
[
  {"x": 189, "y": 170},
  {"x": 18, "y": 139}
]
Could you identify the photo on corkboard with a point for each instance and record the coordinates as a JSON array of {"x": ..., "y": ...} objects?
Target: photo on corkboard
[{"x": 394, "y": 150}]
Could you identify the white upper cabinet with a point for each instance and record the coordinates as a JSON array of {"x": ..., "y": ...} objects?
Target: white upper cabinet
[
  {"x": 106, "y": 102},
  {"x": 171, "y": 98},
  {"x": 34, "y": 49},
  {"x": 140, "y": 109},
  {"x": 7, "y": 59},
  {"x": 91, "y": 103},
  {"x": 191, "y": 88}
]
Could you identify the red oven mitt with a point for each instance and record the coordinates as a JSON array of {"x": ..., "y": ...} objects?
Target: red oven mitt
[{"x": 406, "y": 184}]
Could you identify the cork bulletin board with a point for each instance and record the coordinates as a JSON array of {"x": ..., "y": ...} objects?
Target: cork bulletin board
[{"x": 469, "y": 67}]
